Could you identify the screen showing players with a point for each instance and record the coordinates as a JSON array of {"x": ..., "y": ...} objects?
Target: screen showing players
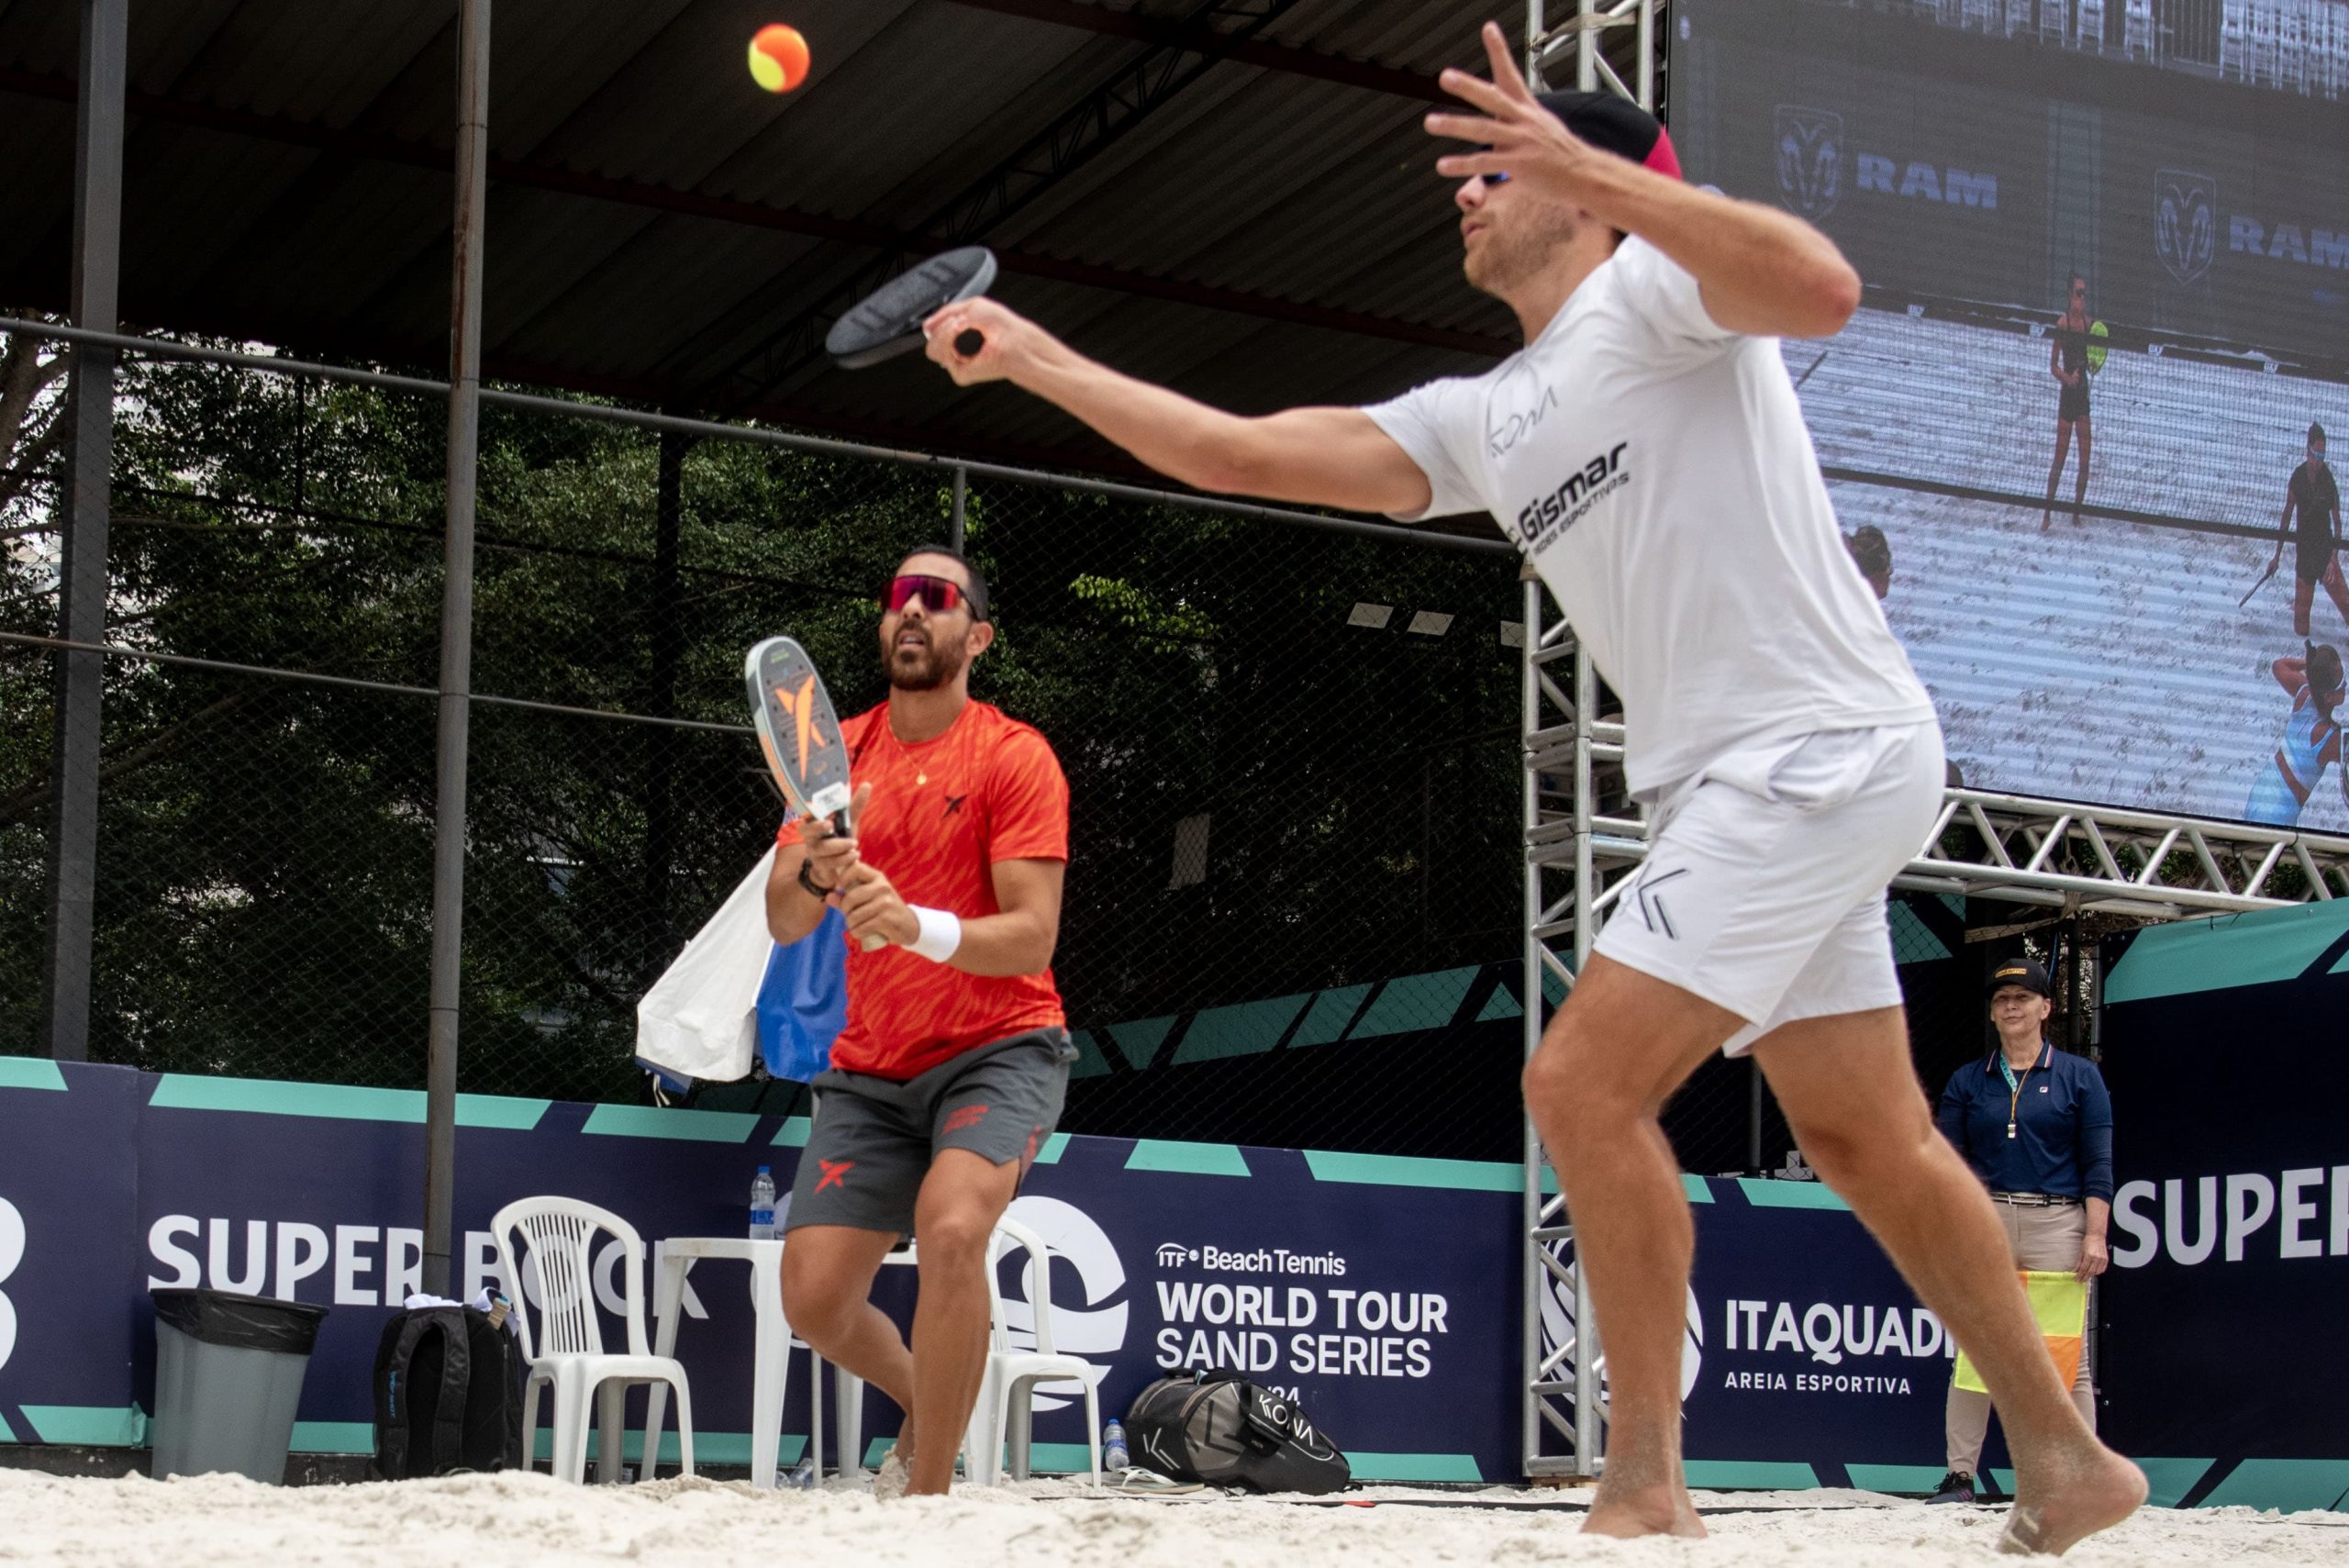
[{"x": 2079, "y": 436}]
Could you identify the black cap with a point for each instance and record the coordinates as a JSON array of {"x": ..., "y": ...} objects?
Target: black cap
[
  {"x": 1612, "y": 122},
  {"x": 2019, "y": 972}
]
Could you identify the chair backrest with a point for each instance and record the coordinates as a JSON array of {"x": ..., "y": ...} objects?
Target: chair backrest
[
  {"x": 561, "y": 1235},
  {"x": 1010, "y": 1236}
]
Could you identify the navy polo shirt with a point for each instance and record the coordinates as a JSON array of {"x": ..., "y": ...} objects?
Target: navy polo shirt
[{"x": 2063, "y": 1143}]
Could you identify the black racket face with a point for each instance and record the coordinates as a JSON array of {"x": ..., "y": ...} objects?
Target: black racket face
[
  {"x": 887, "y": 322},
  {"x": 797, "y": 729}
]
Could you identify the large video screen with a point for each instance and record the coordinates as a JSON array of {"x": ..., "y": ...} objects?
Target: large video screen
[{"x": 2105, "y": 245}]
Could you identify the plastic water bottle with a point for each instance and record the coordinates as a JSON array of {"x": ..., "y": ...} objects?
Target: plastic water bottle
[
  {"x": 803, "y": 1475},
  {"x": 1114, "y": 1457},
  {"x": 762, "y": 1207}
]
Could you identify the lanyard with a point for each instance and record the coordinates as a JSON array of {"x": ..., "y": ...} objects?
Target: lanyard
[{"x": 2014, "y": 1086}]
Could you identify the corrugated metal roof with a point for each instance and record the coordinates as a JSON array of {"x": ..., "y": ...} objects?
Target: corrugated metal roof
[{"x": 653, "y": 217}]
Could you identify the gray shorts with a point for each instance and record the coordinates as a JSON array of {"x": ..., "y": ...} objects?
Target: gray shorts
[{"x": 875, "y": 1138}]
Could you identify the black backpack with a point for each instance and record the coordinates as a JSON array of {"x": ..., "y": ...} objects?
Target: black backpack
[
  {"x": 448, "y": 1393},
  {"x": 1219, "y": 1428}
]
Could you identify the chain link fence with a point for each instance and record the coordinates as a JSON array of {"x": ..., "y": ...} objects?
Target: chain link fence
[{"x": 1291, "y": 917}]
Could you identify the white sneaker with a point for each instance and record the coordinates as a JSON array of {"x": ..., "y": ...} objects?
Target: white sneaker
[
  {"x": 895, "y": 1474},
  {"x": 1135, "y": 1482}
]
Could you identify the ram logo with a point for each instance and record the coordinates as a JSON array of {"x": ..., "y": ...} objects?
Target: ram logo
[
  {"x": 1811, "y": 159},
  {"x": 2185, "y": 223}
]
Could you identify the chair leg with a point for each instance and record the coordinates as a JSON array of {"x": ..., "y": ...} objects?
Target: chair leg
[
  {"x": 656, "y": 1401},
  {"x": 569, "y": 1459},
  {"x": 983, "y": 1439},
  {"x": 1019, "y": 1425},
  {"x": 816, "y": 1413},
  {"x": 685, "y": 1427},
  {"x": 1093, "y": 1428},
  {"x": 610, "y": 1443},
  {"x": 531, "y": 1420},
  {"x": 848, "y": 1389}
]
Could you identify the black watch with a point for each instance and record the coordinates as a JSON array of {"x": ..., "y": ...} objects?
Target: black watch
[{"x": 809, "y": 883}]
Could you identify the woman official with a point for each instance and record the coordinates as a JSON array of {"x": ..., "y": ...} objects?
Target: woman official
[{"x": 2036, "y": 1125}]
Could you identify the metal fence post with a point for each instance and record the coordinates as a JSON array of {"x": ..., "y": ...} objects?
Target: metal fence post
[
  {"x": 456, "y": 642},
  {"x": 957, "y": 524},
  {"x": 82, "y": 580}
]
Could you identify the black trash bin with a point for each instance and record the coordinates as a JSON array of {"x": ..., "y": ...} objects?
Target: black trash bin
[{"x": 228, "y": 1372}]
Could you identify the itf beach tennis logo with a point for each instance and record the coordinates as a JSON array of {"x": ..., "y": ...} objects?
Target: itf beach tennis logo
[
  {"x": 12, "y": 1252},
  {"x": 2185, "y": 223},
  {"x": 1094, "y": 1327},
  {"x": 1558, "y": 1325},
  {"x": 1811, "y": 159}
]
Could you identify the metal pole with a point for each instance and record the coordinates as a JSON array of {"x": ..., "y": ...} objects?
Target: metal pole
[
  {"x": 956, "y": 525},
  {"x": 1588, "y": 1437},
  {"x": 456, "y": 642},
  {"x": 1529, "y": 1306},
  {"x": 1587, "y": 49},
  {"x": 1754, "y": 1116},
  {"x": 1645, "y": 80},
  {"x": 82, "y": 580}
]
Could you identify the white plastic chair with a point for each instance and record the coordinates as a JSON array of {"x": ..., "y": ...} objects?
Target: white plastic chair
[
  {"x": 566, "y": 1350},
  {"x": 1006, "y": 1409}
]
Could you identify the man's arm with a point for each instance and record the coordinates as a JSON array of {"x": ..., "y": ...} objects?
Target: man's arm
[
  {"x": 1324, "y": 457},
  {"x": 1761, "y": 272},
  {"x": 2284, "y": 525},
  {"x": 1018, "y": 939}
]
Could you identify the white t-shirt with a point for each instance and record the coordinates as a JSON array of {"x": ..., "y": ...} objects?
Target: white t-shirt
[{"x": 1656, "y": 468}]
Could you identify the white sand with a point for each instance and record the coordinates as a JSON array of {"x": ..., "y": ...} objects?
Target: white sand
[{"x": 502, "y": 1520}]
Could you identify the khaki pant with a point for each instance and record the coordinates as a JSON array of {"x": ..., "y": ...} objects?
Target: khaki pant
[{"x": 2047, "y": 1238}]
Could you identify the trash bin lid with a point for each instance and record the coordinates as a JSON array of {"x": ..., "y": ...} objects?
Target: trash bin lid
[{"x": 241, "y": 1322}]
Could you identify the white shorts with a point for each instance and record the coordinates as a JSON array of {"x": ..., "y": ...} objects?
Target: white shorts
[{"x": 1764, "y": 887}]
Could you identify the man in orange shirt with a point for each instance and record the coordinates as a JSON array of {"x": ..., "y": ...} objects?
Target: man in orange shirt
[{"x": 953, "y": 1064}]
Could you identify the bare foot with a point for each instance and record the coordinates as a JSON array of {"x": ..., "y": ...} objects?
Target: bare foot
[
  {"x": 1626, "y": 1511},
  {"x": 896, "y": 1471},
  {"x": 2059, "y": 1504}
]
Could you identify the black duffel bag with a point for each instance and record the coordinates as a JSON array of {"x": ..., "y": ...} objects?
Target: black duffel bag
[{"x": 1219, "y": 1428}]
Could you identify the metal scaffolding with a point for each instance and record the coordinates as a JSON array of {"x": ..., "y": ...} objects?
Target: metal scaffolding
[{"x": 1585, "y": 841}]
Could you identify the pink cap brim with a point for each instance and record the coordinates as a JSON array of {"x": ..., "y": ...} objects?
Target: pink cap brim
[{"x": 1661, "y": 157}]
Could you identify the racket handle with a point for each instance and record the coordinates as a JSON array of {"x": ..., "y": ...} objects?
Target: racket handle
[
  {"x": 969, "y": 341},
  {"x": 841, "y": 826}
]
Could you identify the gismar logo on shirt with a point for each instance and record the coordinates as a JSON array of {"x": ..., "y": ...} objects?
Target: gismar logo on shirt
[{"x": 1544, "y": 520}]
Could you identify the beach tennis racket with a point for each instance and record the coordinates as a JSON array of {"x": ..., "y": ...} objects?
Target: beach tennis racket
[
  {"x": 887, "y": 322},
  {"x": 800, "y": 734},
  {"x": 2100, "y": 339},
  {"x": 2258, "y": 585}
]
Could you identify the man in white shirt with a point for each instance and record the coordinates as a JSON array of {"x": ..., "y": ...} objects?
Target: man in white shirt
[{"x": 1647, "y": 451}]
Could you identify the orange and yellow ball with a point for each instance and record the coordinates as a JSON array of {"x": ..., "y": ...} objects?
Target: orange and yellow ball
[{"x": 778, "y": 58}]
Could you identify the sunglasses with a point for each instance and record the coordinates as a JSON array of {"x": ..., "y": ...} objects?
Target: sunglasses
[{"x": 937, "y": 595}]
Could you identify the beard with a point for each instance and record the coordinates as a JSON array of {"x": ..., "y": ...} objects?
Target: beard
[
  {"x": 925, "y": 667},
  {"x": 1510, "y": 257}
]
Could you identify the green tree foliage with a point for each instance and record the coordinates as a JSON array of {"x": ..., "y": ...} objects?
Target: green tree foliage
[{"x": 265, "y": 898}]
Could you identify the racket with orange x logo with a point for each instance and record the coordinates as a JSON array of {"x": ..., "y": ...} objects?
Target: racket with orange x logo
[{"x": 800, "y": 733}]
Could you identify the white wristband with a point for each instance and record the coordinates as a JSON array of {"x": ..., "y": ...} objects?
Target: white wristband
[{"x": 942, "y": 933}]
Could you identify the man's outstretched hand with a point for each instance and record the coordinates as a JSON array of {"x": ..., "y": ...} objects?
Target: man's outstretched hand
[{"x": 1012, "y": 342}]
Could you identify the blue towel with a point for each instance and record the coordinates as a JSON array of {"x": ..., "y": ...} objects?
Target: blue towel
[{"x": 803, "y": 1001}]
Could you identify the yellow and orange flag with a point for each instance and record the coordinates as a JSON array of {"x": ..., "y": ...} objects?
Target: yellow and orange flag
[{"x": 2060, "y": 1304}]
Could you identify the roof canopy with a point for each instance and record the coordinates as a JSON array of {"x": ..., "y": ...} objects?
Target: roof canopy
[{"x": 1232, "y": 196}]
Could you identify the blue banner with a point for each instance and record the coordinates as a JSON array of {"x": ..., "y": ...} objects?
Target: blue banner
[{"x": 1382, "y": 1293}]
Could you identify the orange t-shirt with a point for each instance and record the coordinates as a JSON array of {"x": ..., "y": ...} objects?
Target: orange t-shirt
[{"x": 943, "y": 813}]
